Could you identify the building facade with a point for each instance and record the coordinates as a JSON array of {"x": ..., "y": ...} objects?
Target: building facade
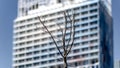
[
  {"x": 117, "y": 64},
  {"x": 34, "y": 48}
]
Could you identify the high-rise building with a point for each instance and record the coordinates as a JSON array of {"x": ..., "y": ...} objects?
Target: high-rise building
[
  {"x": 117, "y": 64},
  {"x": 34, "y": 48}
]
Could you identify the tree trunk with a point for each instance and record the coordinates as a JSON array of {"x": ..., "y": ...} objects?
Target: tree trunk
[{"x": 65, "y": 62}]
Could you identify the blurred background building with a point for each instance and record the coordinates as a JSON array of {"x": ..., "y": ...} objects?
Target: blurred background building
[
  {"x": 34, "y": 48},
  {"x": 117, "y": 64}
]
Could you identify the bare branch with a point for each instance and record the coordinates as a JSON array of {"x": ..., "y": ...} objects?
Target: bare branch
[
  {"x": 51, "y": 36},
  {"x": 42, "y": 28},
  {"x": 73, "y": 34},
  {"x": 59, "y": 28},
  {"x": 70, "y": 30},
  {"x": 64, "y": 32}
]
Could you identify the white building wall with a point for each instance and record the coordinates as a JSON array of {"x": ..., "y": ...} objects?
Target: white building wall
[{"x": 33, "y": 47}]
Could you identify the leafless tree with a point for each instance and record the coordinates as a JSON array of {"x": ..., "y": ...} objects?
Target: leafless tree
[{"x": 66, "y": 45}]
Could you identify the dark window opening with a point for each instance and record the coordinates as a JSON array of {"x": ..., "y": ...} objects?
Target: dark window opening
[{"x": 59, "y": 1}]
